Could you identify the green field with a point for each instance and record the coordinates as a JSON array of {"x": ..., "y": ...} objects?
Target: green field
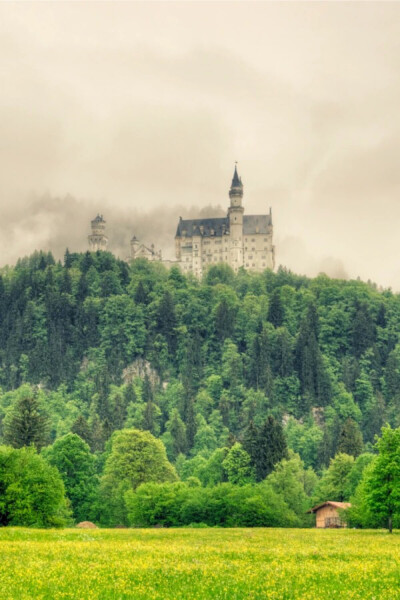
[{"x": 198, "y": 564}]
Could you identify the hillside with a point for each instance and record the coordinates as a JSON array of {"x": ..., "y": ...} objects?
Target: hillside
[{"x": 320, "y": 355}]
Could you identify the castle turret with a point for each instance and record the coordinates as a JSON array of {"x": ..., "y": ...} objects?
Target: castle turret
[
  {"x": 134, "y": 246},
  {"x": 235, "y": 215},
  {"x": 98, "y": 239}
]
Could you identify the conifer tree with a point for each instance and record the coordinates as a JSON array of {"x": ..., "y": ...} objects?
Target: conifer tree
[
  {"x": 275, "y": 310},
  {"x": 250, "y": 442},
  {"x": 272, "y": 447},
  {"x": 81, "y": 428},
  {"x": 27, "y": 424},
  {"x": 350, "y": 438},
  {"x": 177, "y": 429},
  {"x": 141, "y": 296},
  {"x": 190, "y": 420}
]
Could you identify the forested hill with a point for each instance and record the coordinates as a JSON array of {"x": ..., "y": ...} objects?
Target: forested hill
[{"x": 322, "y": 356}]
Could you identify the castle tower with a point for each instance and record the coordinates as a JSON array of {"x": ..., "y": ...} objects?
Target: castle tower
[
  {"x": 134, "y": 246},
  {"x": 235, "y": 216},
  {"x": 98, "y": 239}
]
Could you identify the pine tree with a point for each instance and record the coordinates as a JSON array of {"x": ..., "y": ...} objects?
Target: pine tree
[
  {"x": 272, "y": 448},
  {"x": 167, "y": 321},
  {"x": 190, "y": 420},
  {"x": 27, "y": 424},
  {"x": 141, "y": 296},
  {"x": 67, "y": 259},
  {"x": 129, "y": 393},
  {"x": 224, "y": 320},
  {"x": 363, "y": 329},
  {"x": 275, "y": 310},
  {"x": 81, "y": 428},
  {"x": 309, "y": 362},
  {"x": 151, "y": 410},
  {"x": 350, "y": 438},
  {"x": 97, "y": 434},
  {"x": 177, "y": 429}
]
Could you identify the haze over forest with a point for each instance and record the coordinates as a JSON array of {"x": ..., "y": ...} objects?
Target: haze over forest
[{"x": 139, "y": 110}]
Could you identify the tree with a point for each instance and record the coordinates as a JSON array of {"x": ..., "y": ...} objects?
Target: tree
[
  {"x": 76, "y": 465},
  {"x": 276, "y": 310},
  {"x": 176, "y": 427},
  {"x": 250, "y": 441},
  {"x": 26, "y": 423},
  {"x": 135, "y": 457},
  {"x": 309, "y": 362},
  {"x": 266, "y": 446},
  {"x": 81, "y": 428},
  {"x": 383, "y": 483},
  {"x": 151, "y": 411},
  {"x": 237, "y": 465},
  {"x": 272, "y": 447},
  {"x": 334, "y": 484},
  {"x": 31, "y": 491},
  {"x": 350, "y": 438},
  {"x": 288, "y": 479},
  {"x": 166, "y": 320}
]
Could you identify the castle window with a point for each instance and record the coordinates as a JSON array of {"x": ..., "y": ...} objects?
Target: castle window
[
  {"x": 250, "y": 257},
  {"x": 265, "y": 239},
  {"x": 253, "y": 239},
  {"x": 253, "y": 249}
]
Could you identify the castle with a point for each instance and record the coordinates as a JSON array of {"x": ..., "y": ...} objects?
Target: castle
[{"x": 238, "y": 240}]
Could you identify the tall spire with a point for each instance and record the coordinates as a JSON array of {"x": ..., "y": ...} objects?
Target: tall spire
[
  {"x": 236, "y": 190},
  {"x": 236, "y": 181}
]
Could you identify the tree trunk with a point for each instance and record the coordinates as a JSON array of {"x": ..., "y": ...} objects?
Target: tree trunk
[{"x": 390, "y": 524}]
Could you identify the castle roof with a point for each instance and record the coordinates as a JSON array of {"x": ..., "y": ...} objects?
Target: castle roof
[
  {"x": 218, "y": 226},
  {"x": 256, "y": 224},
  {"x": 143, "y": 250},
  {"x": 215, "y": 227},
  {"x": 99, "y": 219}
]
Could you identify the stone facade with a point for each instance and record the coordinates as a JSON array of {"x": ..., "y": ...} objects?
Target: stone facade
[
  {"x": 139, "y": 250},
  {"x": 238, "y": 240}
]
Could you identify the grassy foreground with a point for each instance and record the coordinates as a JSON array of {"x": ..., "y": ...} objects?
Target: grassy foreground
[{"x": 198, "y": 564}]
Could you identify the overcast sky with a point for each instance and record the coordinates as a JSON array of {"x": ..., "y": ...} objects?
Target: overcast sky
[{"x": 139, "y": 110}]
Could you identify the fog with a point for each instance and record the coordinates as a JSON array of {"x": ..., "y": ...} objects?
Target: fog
[{"x": 139, "y": 110}]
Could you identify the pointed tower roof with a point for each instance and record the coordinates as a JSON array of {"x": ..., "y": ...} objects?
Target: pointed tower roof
[{"x": 236, "y": 181}]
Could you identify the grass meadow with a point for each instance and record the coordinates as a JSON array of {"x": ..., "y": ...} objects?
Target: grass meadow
[{"x": 198, "y": 564}]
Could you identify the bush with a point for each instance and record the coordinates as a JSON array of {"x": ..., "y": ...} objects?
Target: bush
[
  {"x": 31, "y": 491},
  {"x": 225, "y": 505}
]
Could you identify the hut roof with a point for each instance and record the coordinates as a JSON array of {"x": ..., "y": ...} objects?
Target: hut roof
[{"x": 330, "y": 503}]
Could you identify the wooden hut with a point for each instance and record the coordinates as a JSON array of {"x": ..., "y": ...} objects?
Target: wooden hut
[{"x": 327, "y": 514}]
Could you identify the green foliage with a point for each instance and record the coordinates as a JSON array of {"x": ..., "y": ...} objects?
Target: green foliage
[
  {"x": 26, "y": 423},
  {"x": 76, "y": 465},
  {"x": 266, "y": 446},
  {"x": 224, "y": 505},
  {"x": 334, "y": 484},
  {"x": 135, "y": 457},
  {"x": 31, "y": 491},
  {"x": 202, "y": 365},
  {"x": 382, "y": 485},
  {"x": 237, "y": 466}
]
